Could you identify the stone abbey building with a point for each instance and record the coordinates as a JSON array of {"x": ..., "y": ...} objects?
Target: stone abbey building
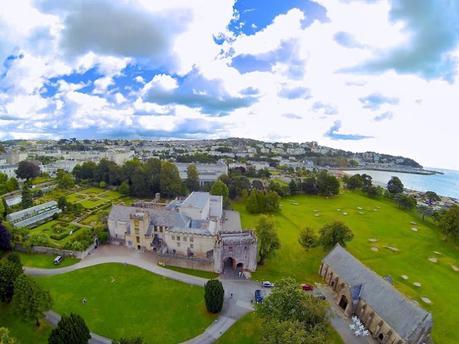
[
  {"x": 390, "y": 317},
  {"x": 196, "y": 227}
]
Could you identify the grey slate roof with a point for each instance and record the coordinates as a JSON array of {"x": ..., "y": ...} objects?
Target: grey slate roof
[
  {"x": 232, "y": 221},
  {"x": 159, "y": 216},
  {"x": 403, "y": 315},
  {"x": 196, "y": 200}
]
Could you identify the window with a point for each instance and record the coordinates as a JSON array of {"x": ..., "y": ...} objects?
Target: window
[
  {"x": 161, "y": 229},
  {"x": 137, "y": 239},
  {"x": 191, "y": 246},
  {"x": 178, "y": 244},
  {"x": 178, "y": 238},
  {"x": 191, "y": 239},
  {"x": 184, "y": 238},
  {"x": 173, "y": 237},
  {"x": 156, "y": 228}
]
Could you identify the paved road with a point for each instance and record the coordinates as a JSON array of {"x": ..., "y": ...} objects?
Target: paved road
[{"x": 238, "y": 293}]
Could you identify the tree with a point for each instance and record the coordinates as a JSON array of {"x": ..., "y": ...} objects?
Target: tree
[
  {"x": 12, "y": 184},
  {"x": 309, "y": 186},
  {"x": 9, "y": 272},
  {"x": 213, "y": 295},
  {"x": 29, "y": 299},
  {"x": 292, "y": 187},
  {"x": 71, "y": 329},
  {"x": 354, "y": 182},
  {"x": 262, "y": 202},
  {"x": 64, "y": 179},
  {"x": 328, "y": 185},
  {"x": 307, "y": 238},
  {"x": 367, "y": 181},
  {"x": 5, "y": 337},
  {"x": 425, "y": 210},
  {"x": 335, "y": 233},
  {"x": 432, "y": 197},
  {"x": 220, "y": 189},
  {"x": 170, "y": 182},
  {"x": 27, "y": 170},
  {"x": 124, "y": 188},
  {"x": 192, "y": 178},
  {"x": 62, "y": 203},
  {"x": 289, "y": 314},
  {"x": 448, "y": 222},
  {"x": 26, "y": 201},
  {"x": 268, "y": 241},
  {"x": 5, "y": 238},
  {"x": 395, "y": 186},
  {"x": 405, "y": 201},
  {"x": 374, "y": 191}
]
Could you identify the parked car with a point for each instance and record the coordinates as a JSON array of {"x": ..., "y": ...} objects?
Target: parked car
[
  {"x": 258, "y": 296},
  {"x": 58, "y": 260},
  {"x": 267, "y": 284},
  {"x": 318, "y": 294},
  {"x": 307, "y": 287}
]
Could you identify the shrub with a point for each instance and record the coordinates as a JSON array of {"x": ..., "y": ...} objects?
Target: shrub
[{"x": 213, "y": 296}]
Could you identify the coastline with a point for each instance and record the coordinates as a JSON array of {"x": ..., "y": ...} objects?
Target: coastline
[{"x": 388, "y": 169}]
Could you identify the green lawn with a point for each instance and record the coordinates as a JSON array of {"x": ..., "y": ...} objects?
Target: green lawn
[
  {"x": 23, "y": 331},
  {"x": 199, "y": 273},
  {"x": 391, "y": 227},
  {"x": 248, "y": 331},
  {"x": 128, "y": 301},
  {"x": 36, "y": 260}
]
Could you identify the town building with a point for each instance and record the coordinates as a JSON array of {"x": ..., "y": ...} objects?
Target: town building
[
  {"x": 196, "y": 227},
  {"x": 208, "y": 173},
  {"x": 34, "y": 216},
  {"x": 390, "y": 317}
]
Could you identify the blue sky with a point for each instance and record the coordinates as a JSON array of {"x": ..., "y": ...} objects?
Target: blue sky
[{"x": 357, "y": 75}]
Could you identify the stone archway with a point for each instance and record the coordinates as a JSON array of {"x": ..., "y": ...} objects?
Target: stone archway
[{"x": 229, "y": 263}]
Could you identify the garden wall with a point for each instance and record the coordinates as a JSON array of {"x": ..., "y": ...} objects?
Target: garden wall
[
  {"x": 185, "y": 262},
  {"x": 57, "y": 251}
]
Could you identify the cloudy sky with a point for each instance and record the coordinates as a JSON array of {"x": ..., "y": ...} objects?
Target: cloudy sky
[{"x": 361, "y": 75}]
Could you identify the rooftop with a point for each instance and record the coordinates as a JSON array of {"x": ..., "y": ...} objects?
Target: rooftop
[{"x": 403, "y": 315}]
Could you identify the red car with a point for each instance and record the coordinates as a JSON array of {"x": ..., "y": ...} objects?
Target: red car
[{"x": 307, "y": 287}]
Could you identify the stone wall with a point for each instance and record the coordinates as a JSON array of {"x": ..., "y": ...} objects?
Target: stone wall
[
  {"x": 56, "y": 251},
  {"x": 185, "y": 262}
]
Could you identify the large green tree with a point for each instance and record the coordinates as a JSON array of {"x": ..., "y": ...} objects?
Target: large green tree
[
  {"x": 327, "y": 184},
  {"x": 9, "y": 272},
  {"x": 5, "y": 237},
  {"x": 307, "y": 238},
  {"x": 220, "y": 189},
  {"x": 405, "y": 201},
  {"x": 27, "y": 170},
  {"x": 64, "y": 179},
  {"x": 289, "y": 315},
  {"x": 449, "y": 222},
  {"x": 170, "y": 183},
  {"x": 354, "y": 182},
  {"x": 26, "y": 201},
  {"x": 335, "y": 233},
  {"x": 214, "y": 295},
  {"x": 71, "y": 329},
  {"x": 268, "y": 240},
  {"x": 192, "y": 178},
  {"x": 395, "y": 186},
  {"x": 29, "y": 299}
]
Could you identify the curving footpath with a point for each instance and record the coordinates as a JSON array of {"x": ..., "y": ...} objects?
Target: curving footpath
[{"x": 238, "y": 293}]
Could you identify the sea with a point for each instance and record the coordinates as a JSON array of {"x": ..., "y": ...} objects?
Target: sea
[{"x": 446, "y": 184}]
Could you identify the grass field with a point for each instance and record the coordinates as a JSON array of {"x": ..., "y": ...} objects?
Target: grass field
[
  {"x": 47, "y": 229},
  {"x": 23, "y": 331},
  {"x": 128, "y": 301},
  {"x": 380, "y": 220},
  {"x": 44, "y": 261},
  {"x": 198, "y": 273}
]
